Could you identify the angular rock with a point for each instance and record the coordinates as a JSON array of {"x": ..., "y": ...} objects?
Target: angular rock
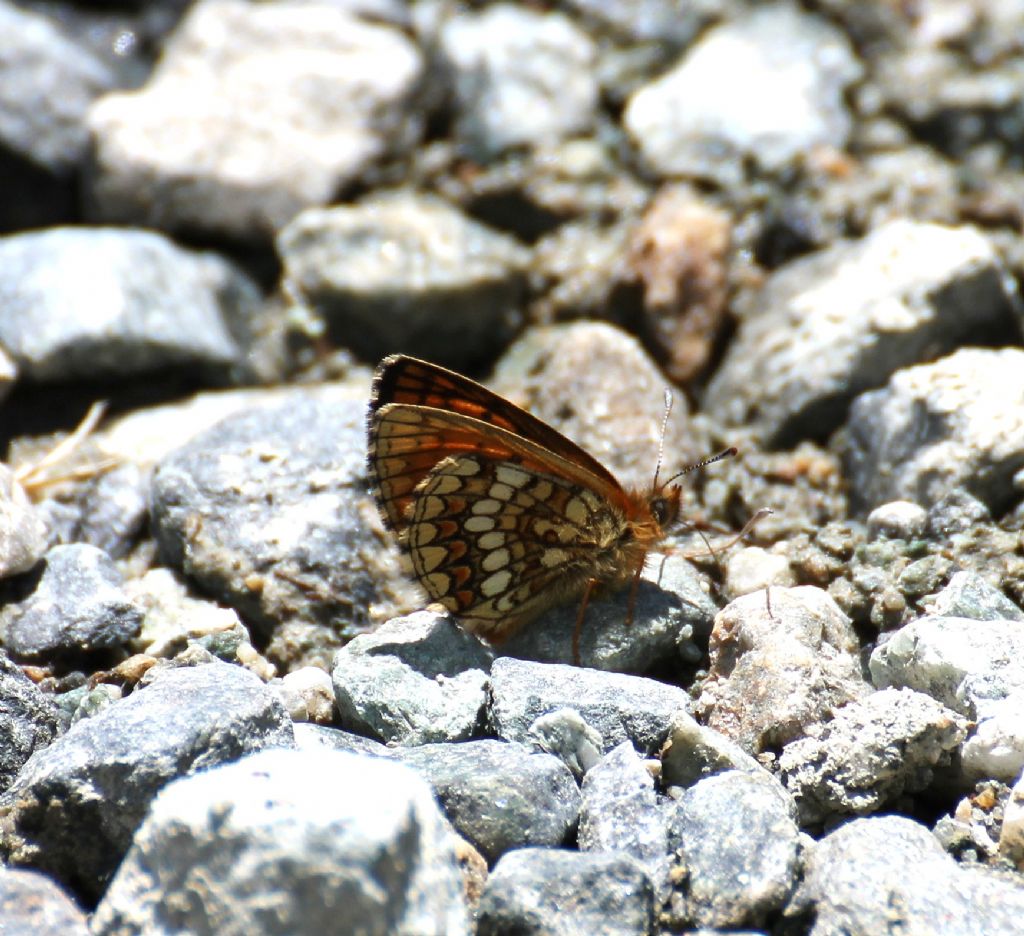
[
  {"x": 873, "y": 875},
  {"x": 29, "y": 720},
  {"x": 283, "y": 537},
  {"x": 936, "y": 429},
  {"x": 104, "y": 302},
  {"x": 777, "y": 669},
  {"x": 861, "y": 310},
  {"x": 968, "y": 595},
  {"x": 252, "y": 114},
  {"x": 565, "y": 734},
  {"x": 566, "y": 893},
  {"x": 32, "y": 903},
  {"x": 871, "y": 753},
  {"x": 332, "y": 842},
  {"x": 310, "y": 736},
  {"x": 406, "y": 273},
  {"x": 620, "y": 812},
  {"x": 499, "y": 795},
  {"x": 74, "y": 807},
  {"x": 973, "y": 668},
  {"x": 737, "y": 851},
  {"x": 521, "y": 78},
  {"x": 22, "y": 533},
  {"x": 414, "y": 680},
  {"x": 701, "y": 119},
  {"x": 693, "y": 752},
  {"x": 78, "y": 606},
  {"x": 617, "y": 706}
]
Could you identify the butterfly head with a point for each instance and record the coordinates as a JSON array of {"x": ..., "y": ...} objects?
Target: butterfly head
[{"x": 663, "y": 504}]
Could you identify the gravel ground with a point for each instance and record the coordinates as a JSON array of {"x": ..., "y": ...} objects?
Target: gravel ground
[{"x": 219, "y": 216}]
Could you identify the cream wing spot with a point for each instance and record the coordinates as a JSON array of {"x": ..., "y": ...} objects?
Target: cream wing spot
[
  {"x": 551, "y": 558},
  {"x": 491, "y": 540},
  {"x": 495, "y": 584},
  {"x": 431, "y": 557},
  {"x": 422, "y": 534},
  {"x": 496, "y": 559},
  {"x": 438, "y": 585},
  {"x": 576, "y": 511},
  {"x": 446, "y": 484},
  {"x": 486, "y": 506},
  {"x": 479, "y": 524},
  {"x": 429, "y": 506},
  {"x": 501, "y": 491},
  {"x": 514, "y": 477}
]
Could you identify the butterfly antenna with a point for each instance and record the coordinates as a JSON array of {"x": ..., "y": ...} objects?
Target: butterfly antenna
[
  {"x": 661, "y": 438},
  {"x": 730, "y": 452}
]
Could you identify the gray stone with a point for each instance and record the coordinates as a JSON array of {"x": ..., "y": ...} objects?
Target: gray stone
[
  {"x": 307, "y": 694},
  {"x": 242, "y": 97},
  {"x": 48, "y": 81},
  {"x": 498, "y": 795},
  {"x": 871, "y": 753},
  {"x": 284, "y": 537},
  {"x": 565, "y": 734},
  {"x": 737, "y": 851},
  {"x": 620, "y": 811},
  {"x": 672, "y": 606},
  {"x": 103, "y": 302},
  {"x": 777, "y": 669},
  {"x": 406, "y": 273},
  {"x": 860, "y": 310},
  {"x": 535, "y": 891},
  {"x": 32, "y": 904},
  {"x": 521, "y": 78},
  {"x": 973, "y": 667},
  {"x": 707, "y": 117},
  {"x": 414, "y": 680},
  {"x": 331, "y": 842},
  {"x": 693, "y": 752},
  {"x": 78, "y": 606},
  {"x": 29, "y": 720},
  {"x": 936, "y": 428},
  {"x": 887, "y": 873},
  {"x": 968, "y": 595},
  {"x": 619, "y": 707},
  {"x": 75, "y": 805},
  {"x": 309, "y": 736},
  {"x": 22, "y": 533}
]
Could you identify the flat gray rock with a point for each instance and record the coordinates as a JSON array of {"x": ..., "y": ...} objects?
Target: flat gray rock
[
  {"x": 566, "y": 893},
  {"x": 331, "y": 842},
  {"x": 242, "y": 96},
  {"x": 521, "y": 78},
  {"x": 78, "y": 302},
  {"x": 859, "y": 310},
  {"x": 283, "y": 537},
  {"x": 498, "y": 795},
  {"x": 414, "y": 680},
  {"x": 75, "y": 805},
  {"x": 952, "y": 425},
  {"x": 78, "y": 606},
  {"x": 737, "y": 851},
  {"x": 705, "y": 117},
  {"x": 887, "y": 873},
  {"x": 406, "y": 273},
  {"x": 619, "y": 707}
]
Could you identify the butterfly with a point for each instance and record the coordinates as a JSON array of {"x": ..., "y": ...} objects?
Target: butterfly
[{"x": 501, "y": 516}]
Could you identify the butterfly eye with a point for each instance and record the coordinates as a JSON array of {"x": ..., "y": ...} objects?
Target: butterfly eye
[{"x": 663, "y": 508}]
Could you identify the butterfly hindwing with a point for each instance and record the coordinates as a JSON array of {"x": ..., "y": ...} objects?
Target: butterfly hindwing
[{"x": 497, "y": 541}]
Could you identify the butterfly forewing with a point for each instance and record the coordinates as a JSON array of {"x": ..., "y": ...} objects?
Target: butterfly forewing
[{"x": 500, "y": 515}]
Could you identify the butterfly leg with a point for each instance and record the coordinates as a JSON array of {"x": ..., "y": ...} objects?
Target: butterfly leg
[
  {"x": 578, "y": 629},
  {"x": 634, "y": 590}
]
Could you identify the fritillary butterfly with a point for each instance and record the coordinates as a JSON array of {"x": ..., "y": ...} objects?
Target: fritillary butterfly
[{"x": 501, "y": 516}]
